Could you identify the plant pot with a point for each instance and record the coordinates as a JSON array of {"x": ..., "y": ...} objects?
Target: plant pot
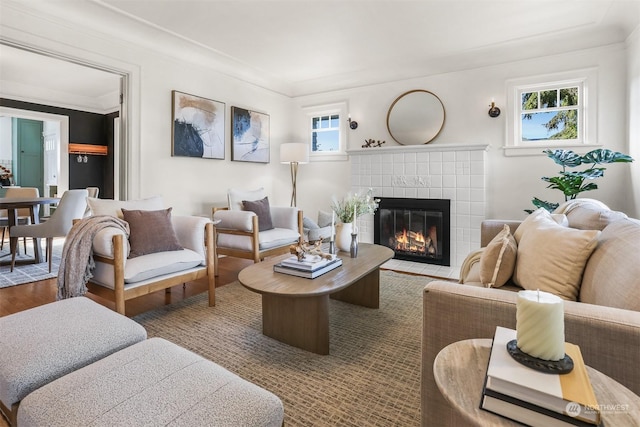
[{"x": 343, "y": 236}]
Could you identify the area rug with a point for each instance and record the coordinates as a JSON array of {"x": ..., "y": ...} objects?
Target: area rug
[
  {"x": 28, "y": 273},
  {"x": 370, "y": 378}
]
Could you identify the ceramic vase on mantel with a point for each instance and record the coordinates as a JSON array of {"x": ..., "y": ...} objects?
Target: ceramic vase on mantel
[{"x": 343, "y": 236}]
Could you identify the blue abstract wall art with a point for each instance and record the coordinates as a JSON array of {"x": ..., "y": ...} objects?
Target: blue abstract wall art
[
  {"x": 198, "y": 126},
  {"x": 249, "y": 136}
]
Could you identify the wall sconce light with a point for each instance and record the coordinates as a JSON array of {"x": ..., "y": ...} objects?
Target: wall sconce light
[
  {"x": 493, "y": 110},
  {"x": 352, "y": 123}
]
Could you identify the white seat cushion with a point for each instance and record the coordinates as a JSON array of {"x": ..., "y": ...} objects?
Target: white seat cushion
[
  {"x": 148, "y": 266},
  {"x": 160, "y": 263},
  {"x": 268, "y": 239}
]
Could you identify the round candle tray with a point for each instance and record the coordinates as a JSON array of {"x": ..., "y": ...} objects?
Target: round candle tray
[{"x": 562, "y": 366}]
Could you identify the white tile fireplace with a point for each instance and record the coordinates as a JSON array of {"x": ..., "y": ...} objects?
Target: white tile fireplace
[{"x": 432, "y": 171}]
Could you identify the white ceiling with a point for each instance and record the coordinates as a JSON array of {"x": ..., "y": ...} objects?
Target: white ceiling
[
  {"x": 300, "y": 47},
  {"x": 302, "y": 42}
]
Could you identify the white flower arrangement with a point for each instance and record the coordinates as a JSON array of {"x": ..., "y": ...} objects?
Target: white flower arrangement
[{"x": 357, "y": 203}]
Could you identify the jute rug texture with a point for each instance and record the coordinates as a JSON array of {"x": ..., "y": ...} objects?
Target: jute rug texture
[{"x": 370, "y": 378}]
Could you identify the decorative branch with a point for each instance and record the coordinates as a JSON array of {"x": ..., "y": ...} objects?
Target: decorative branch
[
  {"x": 302, "y": 250},
  {"x": 368, "y": 143}
]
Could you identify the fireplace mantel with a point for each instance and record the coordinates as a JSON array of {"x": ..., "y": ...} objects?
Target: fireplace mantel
[{"x": 419, "y": 148}]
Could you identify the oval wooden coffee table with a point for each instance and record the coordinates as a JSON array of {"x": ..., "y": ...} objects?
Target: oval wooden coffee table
[{"x": 295, "y": 310}]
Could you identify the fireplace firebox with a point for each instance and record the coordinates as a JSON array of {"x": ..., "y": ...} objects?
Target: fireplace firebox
[{"x": 416, "y": 229}]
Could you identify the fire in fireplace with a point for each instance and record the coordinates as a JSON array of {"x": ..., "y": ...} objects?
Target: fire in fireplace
[{"x": 416, "y": 229}]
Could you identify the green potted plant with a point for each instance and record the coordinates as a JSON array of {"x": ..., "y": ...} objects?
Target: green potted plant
[{"x": 572, "y": 183}]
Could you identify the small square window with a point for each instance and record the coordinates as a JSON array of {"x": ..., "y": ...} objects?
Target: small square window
[
  {"x": 544, "y": 113},
  {"x": 543, "y": 119},
  {"x": 327, "y": 136}
]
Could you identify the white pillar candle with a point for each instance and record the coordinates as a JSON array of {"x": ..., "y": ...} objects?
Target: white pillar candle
[
  {"x": 333, "y": 221},
  {"x": 540, "y": 324},
  {"x": 354, "y": 228}
]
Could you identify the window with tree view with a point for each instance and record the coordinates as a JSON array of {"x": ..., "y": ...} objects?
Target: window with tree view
[
  {"x": 551, "y": 113},
  {"x": 325, "y": 133}
]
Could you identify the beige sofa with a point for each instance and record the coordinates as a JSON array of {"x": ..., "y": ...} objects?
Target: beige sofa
[{"x": 604, "y": 321}]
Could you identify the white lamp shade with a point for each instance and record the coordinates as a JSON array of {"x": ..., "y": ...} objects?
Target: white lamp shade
[{"x": 294, "y": 152}]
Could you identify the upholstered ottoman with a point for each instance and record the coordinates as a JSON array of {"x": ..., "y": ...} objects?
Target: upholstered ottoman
[
  {"x": 44, "y": 343},
  {"x": 154, "y": 382}
]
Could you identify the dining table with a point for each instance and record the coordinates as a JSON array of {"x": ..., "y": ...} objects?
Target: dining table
[{"x": 12, "y": 204}]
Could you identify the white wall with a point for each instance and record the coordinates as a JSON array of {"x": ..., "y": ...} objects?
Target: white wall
[
  {"x": 193, "y": 185},
  {"x": 189, "y": 185},
  {"x": 512, "y": 181},
  {"x": 633, "y": 116},
  {"x": 6, "y": 151}
]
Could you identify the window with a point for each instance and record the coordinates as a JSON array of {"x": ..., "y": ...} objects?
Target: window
[
  {"x": 547, "y": 112},
  {"x": 552, "y": 113},
  {"x": 327, "y": 135}
]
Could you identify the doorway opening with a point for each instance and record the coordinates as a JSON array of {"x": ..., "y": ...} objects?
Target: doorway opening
[{"x": 40, "y": 93}]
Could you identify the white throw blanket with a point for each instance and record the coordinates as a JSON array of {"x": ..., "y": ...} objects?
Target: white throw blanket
[{"x": 76, "y": 263}]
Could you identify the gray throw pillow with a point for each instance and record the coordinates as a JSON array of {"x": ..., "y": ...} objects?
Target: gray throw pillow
[
  {"x": 324, "y": 218},
  {"x": 308, "y": 223},
  {"x": 260, "y": 208},
  {"x": 150, "y": 232}
]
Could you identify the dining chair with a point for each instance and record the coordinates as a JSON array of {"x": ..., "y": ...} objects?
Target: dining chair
[
  {"x": 72, "y": 206},
  {"x": 23, "y": 215},
  {"x": 93, "y": 193}
]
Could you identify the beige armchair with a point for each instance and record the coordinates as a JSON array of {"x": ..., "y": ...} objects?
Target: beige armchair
[
  {"x": 120, "y": 275},
  {"x": 238, "y": 230}
]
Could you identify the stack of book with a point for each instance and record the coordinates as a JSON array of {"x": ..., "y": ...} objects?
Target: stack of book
[
  {"x": 538, "y": 398},
  {"x": 310, "y": 267}
]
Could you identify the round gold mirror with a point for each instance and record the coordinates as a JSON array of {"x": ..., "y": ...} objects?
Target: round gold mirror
[{"x": 415, "y": 117}]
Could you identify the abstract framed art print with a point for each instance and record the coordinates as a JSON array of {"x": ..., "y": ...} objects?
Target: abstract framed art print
[
  {"x": 249, "y": 136},
  {"x": 198, "y": 126}
]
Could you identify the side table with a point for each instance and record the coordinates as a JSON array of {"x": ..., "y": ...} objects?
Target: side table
[{"x": 460, "y": 368}]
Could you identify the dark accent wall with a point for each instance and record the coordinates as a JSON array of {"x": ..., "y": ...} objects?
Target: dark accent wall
[{"x": 84, "y": 128}]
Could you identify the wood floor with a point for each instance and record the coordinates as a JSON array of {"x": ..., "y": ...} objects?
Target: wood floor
[{"x": 22, "y": 297}]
